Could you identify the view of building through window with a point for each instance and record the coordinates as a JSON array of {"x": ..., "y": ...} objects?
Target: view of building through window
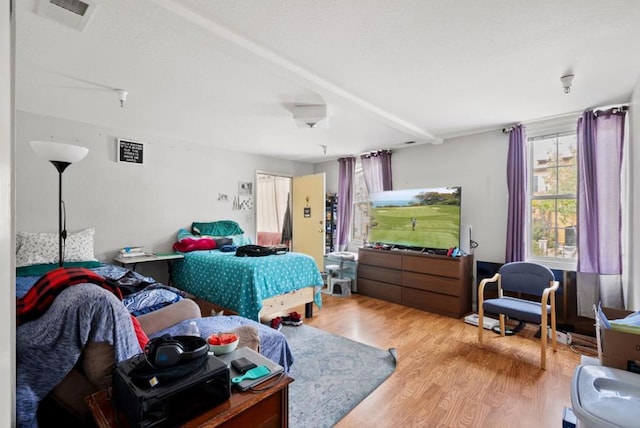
[
  {"x": 553, "y": 188},
  {"x": 360, "y": 224}
]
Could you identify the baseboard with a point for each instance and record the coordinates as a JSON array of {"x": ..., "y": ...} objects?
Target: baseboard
[{"x": 487, "y": 322}]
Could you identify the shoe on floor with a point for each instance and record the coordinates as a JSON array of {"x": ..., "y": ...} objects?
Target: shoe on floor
[
  {"x": 293, "y": 318},
  {"x": 276, "y": 323}
]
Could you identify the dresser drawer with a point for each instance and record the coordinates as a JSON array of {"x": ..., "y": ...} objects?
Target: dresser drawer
[
  {"x": 437, "y": 284},
  {"x": 380, "y": 290},
  {"x": 379, "y": 274},
  {"x": 449, "y": 267},
  {"x": 432, "y": 302},
  {"x": 381, "y": 258}
]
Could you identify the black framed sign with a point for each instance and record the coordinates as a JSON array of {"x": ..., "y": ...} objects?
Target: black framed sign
[{"x": 130, "y": 151}]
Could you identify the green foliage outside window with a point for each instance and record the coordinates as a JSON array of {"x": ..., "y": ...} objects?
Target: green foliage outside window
[{"x": 554, "y": 178}]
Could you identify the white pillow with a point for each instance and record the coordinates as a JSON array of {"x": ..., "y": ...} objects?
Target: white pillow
[{"x": 42, "y": 248}]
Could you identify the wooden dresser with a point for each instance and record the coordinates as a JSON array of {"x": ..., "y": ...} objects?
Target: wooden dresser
[{"x": 438, "y": 284}]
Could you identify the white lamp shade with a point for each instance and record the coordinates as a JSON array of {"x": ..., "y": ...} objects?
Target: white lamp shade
[{"x": 59, "y": 152}]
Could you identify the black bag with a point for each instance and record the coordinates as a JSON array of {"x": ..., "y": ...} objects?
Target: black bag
[{"x": 254, "y": 251}]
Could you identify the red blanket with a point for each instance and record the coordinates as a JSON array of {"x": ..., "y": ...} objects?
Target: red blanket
[
  {"x": 189, "y": 244},
  {"x": 39, "y": 297}
]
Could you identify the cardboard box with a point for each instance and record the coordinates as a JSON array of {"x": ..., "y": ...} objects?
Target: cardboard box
[{"x": 619, "y": 349}]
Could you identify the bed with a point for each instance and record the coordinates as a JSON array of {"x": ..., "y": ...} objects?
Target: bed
[
  {"x": 257, "y": 288},
  {"x": 142, "y": 295}
]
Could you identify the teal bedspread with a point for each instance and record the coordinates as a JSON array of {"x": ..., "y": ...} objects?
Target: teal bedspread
[{"x": 241, "y": 283}]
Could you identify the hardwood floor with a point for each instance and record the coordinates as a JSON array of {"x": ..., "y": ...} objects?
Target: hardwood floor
[{"x": 443, "y": 377}]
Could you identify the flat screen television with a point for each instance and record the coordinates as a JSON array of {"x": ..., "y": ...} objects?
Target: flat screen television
[{"x": 426, "y": 218}]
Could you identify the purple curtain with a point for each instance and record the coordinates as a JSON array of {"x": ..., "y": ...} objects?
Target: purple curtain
[
  {"x": 346, "y": 169},
  {"x": 600, "y": 143},
  {"x": 376, "y": 168},
  {"x": 517, "y": 187}
]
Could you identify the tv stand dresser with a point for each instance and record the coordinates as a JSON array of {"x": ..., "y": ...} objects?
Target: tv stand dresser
[{"x": 432, "y": 283}]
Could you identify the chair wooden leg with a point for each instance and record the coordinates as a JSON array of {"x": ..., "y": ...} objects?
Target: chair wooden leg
[
  {"x": 554, "y": 340},
  {"x": 543, "y": 342},
  {"x": 502, "y": 325},
  {"x": 480, "y": 322}
]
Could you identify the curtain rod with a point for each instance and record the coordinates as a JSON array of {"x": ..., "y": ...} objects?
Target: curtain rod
[
  {"x": 621, "y": 107},
  {"x": 376, "y": 152}
]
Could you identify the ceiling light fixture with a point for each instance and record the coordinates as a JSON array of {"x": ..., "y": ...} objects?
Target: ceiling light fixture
[
  {"x": 566, "y": 82},
  {"x": 309, "y": 115},
  {"x": 122, "y": 95}
]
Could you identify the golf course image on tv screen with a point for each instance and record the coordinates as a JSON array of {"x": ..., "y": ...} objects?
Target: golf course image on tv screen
[{"x": 422, "y": 218}]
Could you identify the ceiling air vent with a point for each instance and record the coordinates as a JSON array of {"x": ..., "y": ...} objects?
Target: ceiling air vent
[{"x": 71, "y": 13}]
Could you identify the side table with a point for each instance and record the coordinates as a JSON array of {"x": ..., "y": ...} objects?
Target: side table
[
  {"x": 266, "y": 408},
  {"x": 148, "y": 258}
]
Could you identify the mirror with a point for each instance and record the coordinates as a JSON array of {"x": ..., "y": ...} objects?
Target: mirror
[{"x": 273, "y": 210}]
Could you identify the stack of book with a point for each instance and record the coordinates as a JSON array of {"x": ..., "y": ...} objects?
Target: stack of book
[{"x": 132, "y": 252}]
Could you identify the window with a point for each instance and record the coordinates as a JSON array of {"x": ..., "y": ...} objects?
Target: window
[
  {"x": 552, "y": 225},
  {"x": 360, "y": 221}
]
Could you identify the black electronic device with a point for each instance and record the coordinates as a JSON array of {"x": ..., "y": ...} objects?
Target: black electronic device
[
  {"x": 243, "y": 365},
  {"x": 170, "y": 402},
  {"x": 167, "y": 351}
]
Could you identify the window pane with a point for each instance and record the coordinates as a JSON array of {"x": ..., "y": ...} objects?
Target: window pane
[
  {"x": 360, "y": 221},
  {"x": 567, "y": 146},
  {"x": 553, "y": 230},
  {"x": 360, "y": 224},
  {"x": 552, "y": 201},
  {"x": 360, "y": 193},
  {"x": 543, "y": 224},
  {"x": 544, "y": 162}
]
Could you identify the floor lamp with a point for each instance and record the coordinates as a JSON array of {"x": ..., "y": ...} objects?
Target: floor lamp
[{"x": 61, "y": 156}]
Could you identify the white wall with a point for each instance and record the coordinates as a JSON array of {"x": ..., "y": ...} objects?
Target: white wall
[
  {"x": 330, "y": 168},
  {"x": 131, "y": 204},
  {"x": 7, "y": 232},
  {"x": 477, "y": 163},
  {"x": 633, "y": 297}
]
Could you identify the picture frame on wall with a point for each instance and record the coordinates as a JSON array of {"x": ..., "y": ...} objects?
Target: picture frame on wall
[
  {"x": 245, "y": 189},
  {"x": 130, "y": 151}
]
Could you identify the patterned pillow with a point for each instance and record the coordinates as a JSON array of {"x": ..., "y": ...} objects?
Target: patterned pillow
[{"x": 40, "y": 248}]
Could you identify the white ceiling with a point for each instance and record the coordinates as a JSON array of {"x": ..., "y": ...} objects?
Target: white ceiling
[{"x": 226, "y": 72}]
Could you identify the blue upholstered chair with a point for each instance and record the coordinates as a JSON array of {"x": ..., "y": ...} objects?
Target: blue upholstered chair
[{"x": 522, "y": 278}]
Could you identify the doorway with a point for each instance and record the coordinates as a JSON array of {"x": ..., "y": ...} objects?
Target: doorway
[
  {"x": 273, "y": 209},
  {"x": 309, "y": 216},
  {"x": 290, "y": 212}
]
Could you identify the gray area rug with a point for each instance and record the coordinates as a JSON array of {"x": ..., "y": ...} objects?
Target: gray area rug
[{"x": 332, "y": 375}]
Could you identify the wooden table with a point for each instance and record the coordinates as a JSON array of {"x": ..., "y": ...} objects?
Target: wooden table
[
  {"x": 264, "y": 409},
  {"x": 148, "y": 258}
]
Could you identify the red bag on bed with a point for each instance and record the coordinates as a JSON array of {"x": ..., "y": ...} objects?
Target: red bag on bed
[{"x": 189, "y": 244}]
